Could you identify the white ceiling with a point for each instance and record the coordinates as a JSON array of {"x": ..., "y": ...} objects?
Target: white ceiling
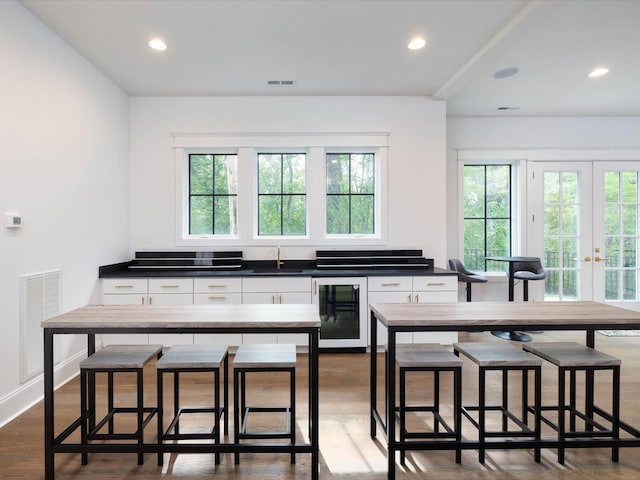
[{"x": 359, "y": 47}]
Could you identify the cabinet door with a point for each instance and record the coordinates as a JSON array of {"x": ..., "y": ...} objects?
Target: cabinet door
[
  {"x": 170, "y": 285},
  {"x": 217, "y": 298},
  {"x": 435, "y": 289},
  {"x": 276, "y": 284},
  {"x": 217, "y": 285},
  {"x": 391, "y": 297},
  {"x": 217, "y": 295}
]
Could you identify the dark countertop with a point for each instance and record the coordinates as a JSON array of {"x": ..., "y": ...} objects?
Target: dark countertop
[{"x": 292, "y": 268}]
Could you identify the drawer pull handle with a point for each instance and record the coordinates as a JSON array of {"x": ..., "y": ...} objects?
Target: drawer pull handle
[
  {"x": 124, "y": 286},
  {"x": 216, "y": 286},
  {"x": 438, "y": 284},
  {"x": 391, "y": 284},
  {"x": 169, "y": 286},
  {"x": 217, "y": 297}
]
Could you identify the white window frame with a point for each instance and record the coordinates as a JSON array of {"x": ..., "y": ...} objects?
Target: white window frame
[{"x": 247, "y": 146}]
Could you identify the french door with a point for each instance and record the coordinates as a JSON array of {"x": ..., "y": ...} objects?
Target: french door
[{"x": 583, "y": 221}]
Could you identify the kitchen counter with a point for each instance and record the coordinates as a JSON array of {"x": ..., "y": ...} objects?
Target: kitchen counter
[{"x": 263, "y": 269}]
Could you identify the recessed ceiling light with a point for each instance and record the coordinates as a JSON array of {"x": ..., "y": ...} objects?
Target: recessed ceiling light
[
  {"x": 417, "y": 43},
  {"x": 598, "y": 72},
  {"x": 506, "y": 72},
  {"x": 158, "y": 44}
]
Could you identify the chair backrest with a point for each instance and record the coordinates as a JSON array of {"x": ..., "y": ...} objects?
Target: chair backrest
[
  {"x": 533, "y": 266},
  {"x": 457, "y": 266}
]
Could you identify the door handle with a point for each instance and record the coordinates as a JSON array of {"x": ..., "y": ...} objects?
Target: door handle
[
  {"x": 587, "y": 259},
  {"x": 598, "y": 259}
]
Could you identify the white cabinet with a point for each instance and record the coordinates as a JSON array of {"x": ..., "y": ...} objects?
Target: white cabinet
[
  {"x": 125, "y": 291},
  {"x": 418, "y": 289},
  {"x": 276, "y": 290},
  {"x": 216, "y": 291}
]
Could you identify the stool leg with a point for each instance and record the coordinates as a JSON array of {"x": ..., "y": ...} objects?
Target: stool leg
[
  {"x": 572, "y": 401},
  {"x": 561, "y": 408},
  {"x": 159, "y": 410},
  {"x": 537, "y": 419},
  {"x": 83, "y": 413},
  {"x": 403, "y": 400},
  {"x": 236, "y": 412},
  {"x": 525, "y": 396},
  {"x": 110, "y": 399},
  {"x": 292, "y": 414},
  {"x": 468, "y": 291},
  {"x": 481, "y": 414},
  {"x": 140, "y": 433},
  {"x": 505, "y": 399},
  {"x": 457, "y": 410},
  {"x": 216, "y": 422},
  {"x": 616, "y": 412},
  {"x": 226, "y": 393},
  {"x": 176, "y": 400},
  {"x": 525, "y": 290},
  {"x": 436, "y": 398}
]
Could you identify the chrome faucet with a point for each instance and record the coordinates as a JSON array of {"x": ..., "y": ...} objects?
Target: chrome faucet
[{"x": 279, "y": 262}]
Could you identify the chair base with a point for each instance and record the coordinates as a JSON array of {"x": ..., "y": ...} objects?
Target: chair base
[{"x": 512, "y": 335}]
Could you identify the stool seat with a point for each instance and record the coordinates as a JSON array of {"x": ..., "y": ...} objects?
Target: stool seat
[
  {"x": 490, "y": 354},
  {"x": 193, "y": 356},
  {"x": 571, "y": 354},
  {"x": 425, "y": 355},
  {"x": 115, "y": 357},
  {"x": 265, "y": 355}
]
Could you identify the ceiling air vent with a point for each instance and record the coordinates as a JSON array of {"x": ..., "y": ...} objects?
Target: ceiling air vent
[{"x": 281, "y": 82}]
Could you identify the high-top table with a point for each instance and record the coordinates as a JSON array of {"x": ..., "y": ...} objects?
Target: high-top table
[
  {"x": 485, "y": 316},
  {"x": 203, "y": 319}
]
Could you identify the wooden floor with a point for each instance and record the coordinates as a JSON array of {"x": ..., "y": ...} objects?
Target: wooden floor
[{"x": 346, "y": 449}]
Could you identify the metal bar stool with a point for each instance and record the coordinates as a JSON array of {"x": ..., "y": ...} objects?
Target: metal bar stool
[
  {"x": 466, "y": 276},
  {"x": 504, "y": 358},
  {"x": 114, "y": 359},
  {"x": 263, "y": 358},
  {"x": 433, "y": 358},
  {"x": 183, "y": 359},
  {"x": 572, "y": 357}
]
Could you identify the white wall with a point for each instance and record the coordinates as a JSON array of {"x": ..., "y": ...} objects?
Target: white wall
[
  {"x": 527, "y": 134},
  {"x": 416, "y": 158},
  {"x": 64, "y": 167}
]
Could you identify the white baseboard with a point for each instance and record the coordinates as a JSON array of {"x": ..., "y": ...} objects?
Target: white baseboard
[{"x": 30, "y": 393}]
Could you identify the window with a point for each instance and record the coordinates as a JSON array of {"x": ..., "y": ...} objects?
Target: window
[
  {"x": 282, "y": 194},
  {"x": 487, "y": 215},
  {"x": 350, "y": 193},
  {"x": 213, "y": 194}
]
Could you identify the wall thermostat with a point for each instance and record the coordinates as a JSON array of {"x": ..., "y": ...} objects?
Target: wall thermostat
[{"x": 13, "y": 220}]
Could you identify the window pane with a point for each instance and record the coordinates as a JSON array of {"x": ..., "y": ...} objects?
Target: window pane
[
  {"x": 629, "y": 284},
  {"x": 337, "y": 173},
  {"x": 552, "y": 252},
  {"x": 226, "y": 174},
  {"x": 497, "y": 193},
  {"x": 362, "y": 173},
  {"x": 611, "y": 186},
  {"x": 201, "y": 216},
  {"x": 337, "y": 214},
  {"x": 474, "y": 246},
  {"x": 474, "y": 194},
  {"x": 629, "y": 219},
  {"x": 293, "y": 176},
  {"x": 551, "y": 220},
  {"x": 570, "y": 253},
  {"x": 552, "y": 284},
  {"x": 362, "y": 214},
  {"x": 269, "y": 215},
  {"x": 569, "y": 285},
  {"x": 629, "y": 187},
  {"x": 612, "y": 250},
  {"x": 570, "y": 220},
  {"x": 498, "y": 237},
  {"x": 569, "y": 187},
  {"x": 551, "y": 187},
  {"x": 225, "y": 215},
  {"x": 269, "y": 173},
  {"x": 629, "y": 252},
  {"x": 293, "y": 215},
  {"x": 611, "y": 219},
  {"x": 612, "y": 285},
  {"x": 201, "y": 174}
]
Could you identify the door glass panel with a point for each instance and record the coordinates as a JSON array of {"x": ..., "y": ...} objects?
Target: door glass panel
[
  {"x": 339, "y": 307},
  {"x": 561, "y": 234},
  {"x": 620, "y": 235}
]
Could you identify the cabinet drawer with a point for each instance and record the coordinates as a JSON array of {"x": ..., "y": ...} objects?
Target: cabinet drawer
[
  {"x": 389, "y": 284},
  {"x": 170, "y": 285},
  {"x": 435, "y": 283},
  {"x": 217, "y": 285},
  {"x": 276, "y": 284},
  {"x": 124, "y": 286},
  {"x": 217, "y": 298}
]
